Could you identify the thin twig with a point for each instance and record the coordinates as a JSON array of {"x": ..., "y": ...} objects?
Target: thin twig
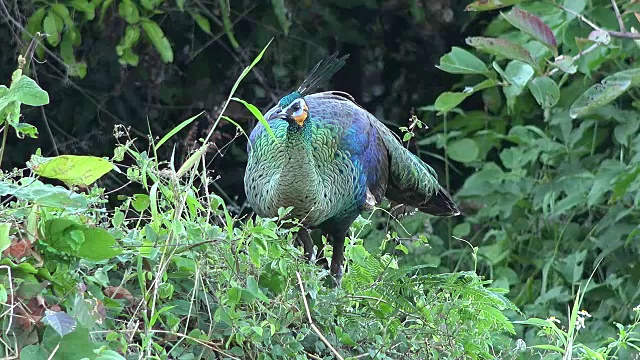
[
  {"x": 615, "y": 34},
  {"x": 618, "y": 16},
  {"x": 580, "y": 54},
  {"x": 313, "y": 326},
  {"x": 12, "y": 306}
]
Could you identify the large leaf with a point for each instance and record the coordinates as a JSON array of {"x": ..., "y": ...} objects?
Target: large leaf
[
  {"x": 501, "y": 47},
  {"x": 463, "y": 150},
  {"x": 67, "y": 236},
  {"x": 460, "y": 61},
  {"x": 603, "y": 93},
  {"x": 533, "y": 26},
  {"x": 23, "y": 90},
  {"x": 545, "y": 91},
  {"x": 71, "y": 169},
  {"x": 33, "y": 190}
]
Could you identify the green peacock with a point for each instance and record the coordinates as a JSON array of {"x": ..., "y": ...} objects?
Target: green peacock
[{"x": 331, "y": 160}]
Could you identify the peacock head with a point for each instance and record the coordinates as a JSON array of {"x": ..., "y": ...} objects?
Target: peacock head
[{"x": 293, "y": 108}]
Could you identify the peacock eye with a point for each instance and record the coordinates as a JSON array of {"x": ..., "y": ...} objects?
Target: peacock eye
[{"x": 295, "y": 106}]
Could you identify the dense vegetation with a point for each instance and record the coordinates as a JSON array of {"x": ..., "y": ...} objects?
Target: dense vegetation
[{"x": 537, "y": 138}]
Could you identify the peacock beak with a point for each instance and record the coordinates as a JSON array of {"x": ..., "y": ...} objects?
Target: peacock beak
[{"x": 279, "y": 115}]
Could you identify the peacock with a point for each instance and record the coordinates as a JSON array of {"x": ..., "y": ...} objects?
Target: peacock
[{"x": 330, "y": 160}]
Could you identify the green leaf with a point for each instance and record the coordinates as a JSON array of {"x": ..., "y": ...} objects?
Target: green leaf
[
  {"x": 26, "y": 91},
  {"x": 85, "y": 6},
  {"x": 72, "y": 169},
  {"x": 110, "y": 355},
  {"x": 161, "y": 43},
  {"x": 34, "y": 352},
  {"x": 180, "y": 4},
  {"x": 5, "y": 241},
  {"x": 517, "y": 74},
  {"x": 501, "y": 47},
  {"x": 460, "y": 61},
  {"x": 447, "y": 101},
  {"x": 30, "y": 189},
  {"x": 129, "y": 11},
  {"x": 281, "y": 14},
  {"x": 545, "y": 91},
  {"x": 94, "y": 244},
  {"x": 463, "y": 150},
  {"x": 23, "y": 129},
  {"x": 60, "y": 321},
  {"x": 63, "y": 12},
  {"x": 34, "y": 24},
  {"x": 176, "y": 129},
  {"x": 99, "y": 245},
  {"x": 225, "y": 9},
  {"x": 533, "y": 26},
  {"x": 566, "y": 64},
  {"x": 202, "y": 22},
  {"x": 53, "y": 25},
  {"x": 486, "y": 5},
  {"x": 601, "y": 94},
  {"x": 257, "y": 114}
]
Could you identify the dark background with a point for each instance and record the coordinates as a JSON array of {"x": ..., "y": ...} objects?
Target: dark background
[{"x": 393, "y": 48}]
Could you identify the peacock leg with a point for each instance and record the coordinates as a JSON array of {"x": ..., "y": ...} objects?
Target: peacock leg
[
  {"x": 337, "y": 260},
  {"x": 307, "y": 244}
]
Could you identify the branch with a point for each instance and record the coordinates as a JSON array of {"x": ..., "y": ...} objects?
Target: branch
[
  {"x": 623, "y": 34},
  {"x": 313, "y": 326},
  {"x": 618, "y": 16}
]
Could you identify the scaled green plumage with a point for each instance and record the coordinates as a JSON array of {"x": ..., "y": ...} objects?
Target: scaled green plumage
[{"x": 332, "y": 160}]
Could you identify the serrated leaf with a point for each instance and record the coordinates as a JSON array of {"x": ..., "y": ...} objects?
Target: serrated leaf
[
  {"x": 600, "y": 94},
  {"x": 502, "y": 48},
  {"x": 159, "y": 41},
  {"x": 71, "y": 169},
  {"x": 460, "y": 61},
  {"x": 545, "y": 91},
  {"x": 533, "y": 26}
]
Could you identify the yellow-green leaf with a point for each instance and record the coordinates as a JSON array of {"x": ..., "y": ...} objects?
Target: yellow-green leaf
[{"x": 71, "y": 169}]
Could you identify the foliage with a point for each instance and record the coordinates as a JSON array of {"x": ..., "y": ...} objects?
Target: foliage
[
  {"x": 539, "y": 136},
  {"x": 553, "y": 190},
  {"x": 171, "y": 274}
]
